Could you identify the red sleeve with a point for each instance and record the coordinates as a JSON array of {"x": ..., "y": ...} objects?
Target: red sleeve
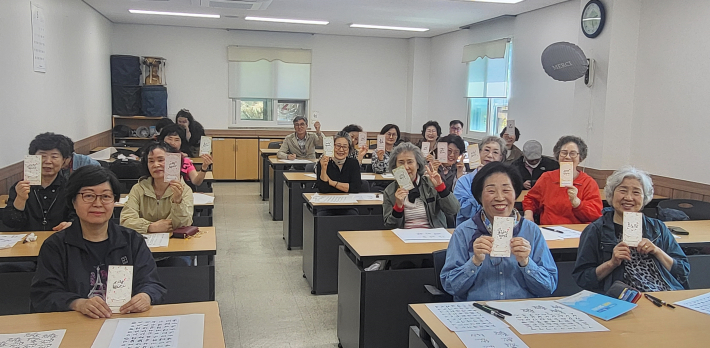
[
  {"x": 398, "y": 208},
  {"x": 441, "y": 187},
  {"x": 591, "y": 207},
  {"x": 534, "y": 196}
]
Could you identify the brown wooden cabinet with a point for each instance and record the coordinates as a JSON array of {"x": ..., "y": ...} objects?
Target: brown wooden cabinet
[{"x": 235, "y": 159}]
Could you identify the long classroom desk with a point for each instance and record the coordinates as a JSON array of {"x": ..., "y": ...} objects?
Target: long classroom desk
[
  {"x": 82, "y": 330},
  {"x": 276, "y": 169},
  {"x": 184, "y": 284},
  {"x": 645, "y": 326},
  {"x": 202, "y": 216},
  {"x": 321, "y": 243},
  {"x": 372, "y": 304},
  {"x": 295, "y": 184}
]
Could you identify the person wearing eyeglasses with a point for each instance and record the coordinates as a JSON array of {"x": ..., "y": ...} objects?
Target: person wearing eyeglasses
[
  {"x": 301, "y": 144},
  {"x": 513, "y": 151},
  {"x": 579, "y": 203},
  {"x": 72, "y": 266},
  {"x": 381, "y": 157},
  {"x": 338, "y": 174}
]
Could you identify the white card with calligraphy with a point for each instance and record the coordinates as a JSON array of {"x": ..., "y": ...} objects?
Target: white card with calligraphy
[
  {"x": 119, "y": 286},
  {"x": 633, "y": 232},
  {"x": 474, "y": 156},
  {"x": 380, "y": 142},
  {"x": 425, "y": 148},
  {"x": 566, "y": 174},
  {"x": 173, "y": 163},
  {"x": 502, "y": 234},
  {"x": 362, "y": 139},
  {"x": 442, "y": 150},
  {"x": 205, "y": 145},
  {"x": 402, "y": 177},
  {"x": 33, "y": 169},
  {"x": 328, "y": 146}
]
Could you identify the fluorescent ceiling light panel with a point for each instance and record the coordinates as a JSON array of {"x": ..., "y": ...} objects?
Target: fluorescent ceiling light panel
[
  {"x": 181, "y": 14},
  {"x": 285, "y": 20},
  {"x": 500, "y": 1},
  {"x": 367, "y": 26}
]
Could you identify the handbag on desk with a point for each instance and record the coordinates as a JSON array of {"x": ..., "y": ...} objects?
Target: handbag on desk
[{"x": 184, "y": 232}]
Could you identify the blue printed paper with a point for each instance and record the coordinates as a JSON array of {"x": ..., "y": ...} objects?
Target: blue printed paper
[{"x": 598, "y": 305}]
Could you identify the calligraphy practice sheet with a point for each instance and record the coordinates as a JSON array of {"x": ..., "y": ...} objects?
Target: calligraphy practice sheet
[
  {"x": 425, "y": 148},
  {"x": 156, "y": 240},
  {"x": 362, "y": 139},
  {"x": 502, "y": 234},
  {"x": 328, "y": 146},
  {"x": 698, "y": 303},
  {"x": 566, "y": 174},
  {"x": 42, "y": 339},
  {"x": 474, "y": 156},
  {"x": 336, "y": 199},
  {"x": 158, "y": 332},
  {"x": 632, "y": 228},
  {"x": 500, "y": 338},
  {"x": 463, "y": 316},
  {"x": 442, "y": 150},
  {"x": 423, "y": 235},
  {"x": 9, "y": 240},
  {"x": 380, "y": 142},
  {"x": 543, "y": 317},
  {"x": 173, "y": 162},
  {"x": 205, "y": 145},
  {"x": 400, "y": 174},
  {"x": 33, "y": 169},
  {"x": 119, "y": 286}
]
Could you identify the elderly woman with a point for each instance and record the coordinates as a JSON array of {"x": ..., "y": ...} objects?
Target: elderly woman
[
  {"x": 341, "y": 173},
  {"x": 427, "y": 204},
  {"x": 579, "y": 203},
  {"x": 453, "y": 167},
  {"x": 656, "y": 264},
  {"x": 492, "y": 149},
  {"x": 357, "y": 151},
  {"x": 382, "y": 157},
  {"x": 470, "y": 273},
  {"x": 72, "y": 266},
  {"x": 431, "y": 131}
]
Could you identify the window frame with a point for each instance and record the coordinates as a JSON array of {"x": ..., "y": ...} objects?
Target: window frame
[{"x": 235, "y": 120}]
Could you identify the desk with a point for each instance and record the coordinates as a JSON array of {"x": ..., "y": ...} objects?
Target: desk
[
  {"x": 99, "y": 148},
  {"x": 264, "y": 171},
  {"x": 645, "y": 326},
  {"x": 321, "y": 243},
  {"x": 82, "y": 330},
  {"x": 276, "y": 169},
  {"x": 184, "y": 284},
  {"x": 295, "y": 184},
  {"x": 202, "y": 215}
]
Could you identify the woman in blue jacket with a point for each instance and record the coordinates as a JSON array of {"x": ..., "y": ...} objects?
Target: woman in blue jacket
[
  {"x": 656, "y": 264},
  {"x": 72, "y": 267}
]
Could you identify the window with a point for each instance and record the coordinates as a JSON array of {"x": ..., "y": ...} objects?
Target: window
[
  {"x": 488, "y": 87},
  {"x": 268, "y": 112}
]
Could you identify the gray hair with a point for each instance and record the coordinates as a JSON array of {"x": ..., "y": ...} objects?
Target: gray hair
[
  {"x": 346, "y": 136},
  {"x": 298, "y": 118},
  {"x": 615, "y": 179},
  {"x": 570, "y": 139},
  {"x": 499, "y": 141},
  {"x": 407, "y": 147}
]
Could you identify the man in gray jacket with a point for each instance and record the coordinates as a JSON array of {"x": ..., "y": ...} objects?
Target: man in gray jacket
[{"x": 301, "y": 144}]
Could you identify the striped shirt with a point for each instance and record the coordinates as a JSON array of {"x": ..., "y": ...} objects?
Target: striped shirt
[{"x": 415, "y": 214}]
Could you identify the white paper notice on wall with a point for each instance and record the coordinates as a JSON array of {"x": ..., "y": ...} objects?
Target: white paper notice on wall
[
  {"x": 380, "y": 142},
  {"x": 510, "y": 128},
  {"x": 314, "y": 117},
  {"x": 425, "y": 148},
  {"x": 328, "y": 146},
  {"x": 502, "y": 234},
  {"x": 33, "y": 169},
  {"x": 205, "y": 145},
  {"x": 633, "y": 231},
  {"x": 173, "y": 162},
  {"x": 119, "y": 286},
  {"x": 39, "y": 53},
  {"x": 400, "y": 174},
  {"x": 474, "y": 156},
  {"x": 362, "y": 139},
  {"x": 566, "y": 174},
  {"x": 442, "y": 150}
]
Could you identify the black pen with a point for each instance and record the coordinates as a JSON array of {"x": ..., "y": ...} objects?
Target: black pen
[
  {"x": 498, "y": 310},
  {"x": 660, "y": 301},
  {"x": 653, "y": 300},
  {"x": 552, "y": 229},
  {"x": 488, "y": 310}
]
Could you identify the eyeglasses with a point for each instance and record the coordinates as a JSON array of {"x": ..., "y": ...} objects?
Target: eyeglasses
[
  {"x": 301, "y": 124},
  {"x": 571, "y": 154},
  {"x": 341, "y": 147},
  {"x": 89, "y": 197}
]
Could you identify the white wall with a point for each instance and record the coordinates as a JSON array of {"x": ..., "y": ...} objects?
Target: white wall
[
  {"x": 74, "y": 96},
  {"x": 353, "y": 79}
]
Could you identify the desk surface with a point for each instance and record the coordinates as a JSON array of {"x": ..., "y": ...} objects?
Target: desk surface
[
  {"x": 645, "y": 326},
  {"x": 82, "y": 330},
  {"x": 301, "y": 176},
  {"x": 601, "y": 193},
  {"x": 204, "y": 241},
  {"x": 275, "y": 160},
  {"x": 123, "y": 195},
  {"x": 99, "y": 148},
  {"x": 308, "y": 196}
]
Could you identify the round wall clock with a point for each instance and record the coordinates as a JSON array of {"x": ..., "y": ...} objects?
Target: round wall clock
[{"x": 593, "y": 18}]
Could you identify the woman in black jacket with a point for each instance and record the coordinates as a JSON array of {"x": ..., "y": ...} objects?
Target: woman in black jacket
[
  {"x": 341, "y": 174},
  {"x": 72, "y": 267},
  {"x": 193, "y": 132}
]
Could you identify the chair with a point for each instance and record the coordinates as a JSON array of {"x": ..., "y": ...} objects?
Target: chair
[
  {"x": 437, "y": 292},
  {"x": 696, "y": 210},
  {"x": 310, "y": 168},
  {"x": 373, "y": 146},
  {"x": 364, "y": 187},
  {"x": 275, "y": 144}
]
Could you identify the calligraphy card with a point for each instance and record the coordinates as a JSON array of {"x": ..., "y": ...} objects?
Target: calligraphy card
[
  {"x": 119, "y": 286},
  {"x": 502, "y": 234},
  {"x": 633, "y": 232},
  {"x": 173, "y": 162},
  {"x": 362, "y": 140},
  {"x": 402, "y": 177},
  {"x": 205, "y": 145},
  {"x": 510, "y": 128},
  {"x": 566, "y": 174},
  {"x": 328, "y": 146},
  {"x": 474, "y": 156},
  {"x": 33, "y": 169},
  {"x": 442, "y": 152},
  {"x": 425, "y": 148},
  {"x": 381, "y": 142}
]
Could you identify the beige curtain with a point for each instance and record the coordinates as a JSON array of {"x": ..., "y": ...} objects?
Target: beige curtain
[{"x": 490, "y": 49}]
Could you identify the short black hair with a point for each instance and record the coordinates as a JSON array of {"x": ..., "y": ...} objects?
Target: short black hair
[
  {"x": 490, "y": 169},
  {"x": 456, "y": 140},
  {"x": 50, "y": 141},
  {"x": 452, "y": 123},
  {"x": 430, "y": 124},
  {"x": 88, "y": 176},
  {"x": 146, "y": 150},
  {"x": 173, "y": 129},
  {"x": 389, "y": 126},
  {"x": 517, "y": 133},
  {"x": 162, "y": 123},
  {"x": 298, "y": 118},
  {"x": 583, "y": 149},
  {"x": 352, "y": 128}
]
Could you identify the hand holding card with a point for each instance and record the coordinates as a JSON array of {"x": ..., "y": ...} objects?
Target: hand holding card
[
  {"x": 119, "y": 286},
  {"x": 474, "y": 156},
  {"x": 205, "y": 145},
  {"x": 566, "y": 174},
  {"x": 328, "y": 146},
  {"x": 402, "y": 177},
  {"x": 502, "y": 234},
  {"x": 173, "y": 163}
]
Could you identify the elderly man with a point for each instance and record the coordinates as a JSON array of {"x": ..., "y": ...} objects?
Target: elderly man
[
  {"x": 532, "y": 164},
  {"x": 456, "y": 128},
  {"x": 301, "y": 144}
]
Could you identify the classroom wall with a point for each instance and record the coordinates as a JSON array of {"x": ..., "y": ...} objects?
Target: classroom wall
[
  {"x": 74, "y": 96},
  {"x": 353, "y": 79}
]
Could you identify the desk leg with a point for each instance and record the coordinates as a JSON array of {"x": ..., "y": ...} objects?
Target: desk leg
[
  {"x": 270, "y": 196},
  {"x": 308, "y": 246},
  {"x": 276, "y": 201},
  {"x": 293, "y": 212},
  {"x": 415, "y": 341},
  {"x": 265, "y": 178}
]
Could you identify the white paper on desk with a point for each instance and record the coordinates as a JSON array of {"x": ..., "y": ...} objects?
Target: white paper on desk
[
  {"x": 510, "y": 127},
  {"x": 442, "y": 152},
  {"x": 566, "y": 174},
  {"x": 546, "y": 317},
  {"x": 311, "y": 175},
  {"x": 566, "y": 233},
  {"x": 423, "y": 235},
  {"x": 699, "y": 303},
  {"x": 104, "y": 154},
  {"x": 502, "y": 234},
  {"x": 173, "y": 163},
  {"x": 367, "y": 196},
  {"x": 463, "y": 316},
  {"x": 425, "y": 148},
  {"x": 499, "y": 338},
  {"x": 380, "y": 142},
  {"x": 189, "y": 332},
  {"x": 296, "y": 161},
  {"x": 157, "y": 240},
  {"x": 9, "y": 240},
  {"x": 119, "y": 286},
  {"x": 335, "y": 199},
  {"x": 123, "y": 200},
  {"x": 33, "y": 169},
  {"x": 328, "y": 146},
  {"x": 550, "y": 235},
  {"x": 632, "y": 228},
  {"x": 387, "y": 175},
  {"x": 474, "y": 156},
  {"x": 400, "y": 174},
  {"x": 40, "y": 339},
  {"x": 370, "y": 177},
  {"x": 202, "y": 199},
  {"x": 205, "y": 145}
]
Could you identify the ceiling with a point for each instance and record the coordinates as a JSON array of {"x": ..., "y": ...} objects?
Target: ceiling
[{"x": 440, "y": 16}]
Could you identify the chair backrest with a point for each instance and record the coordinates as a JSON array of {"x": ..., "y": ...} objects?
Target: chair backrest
[
  {"x": 696, "y": 210},
  {"x": 364, "y": 186},
  {"x": 310, "y": 167},
  {"x": 373, "y": 146},
  {"x": 275, "y": 144},
  {"x": 439, "y": 258}
]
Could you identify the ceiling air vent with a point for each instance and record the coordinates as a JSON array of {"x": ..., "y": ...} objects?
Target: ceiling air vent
[{"x": 234, "y": 4}]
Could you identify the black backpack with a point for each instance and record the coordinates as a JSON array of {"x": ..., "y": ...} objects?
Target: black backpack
[{"x": 126, "y": 169}]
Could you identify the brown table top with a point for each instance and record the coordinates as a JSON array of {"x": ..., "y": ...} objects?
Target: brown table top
[
  {"x": 359, "y": 203},
  {"x": 301, "y": 176},
  {"x": 123, "y": 195},
  {"x": 204, "y": 241},
  {"x": 82, "y": 330},
  {"x": 99, "y": 148},
  {"x": 645, "y": 326},
  {"x": 274, "y": 159},
  {"x": 3, "y": 198}
]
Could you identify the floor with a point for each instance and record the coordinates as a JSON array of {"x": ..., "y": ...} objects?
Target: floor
[{"x": 263, "y": 298}]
